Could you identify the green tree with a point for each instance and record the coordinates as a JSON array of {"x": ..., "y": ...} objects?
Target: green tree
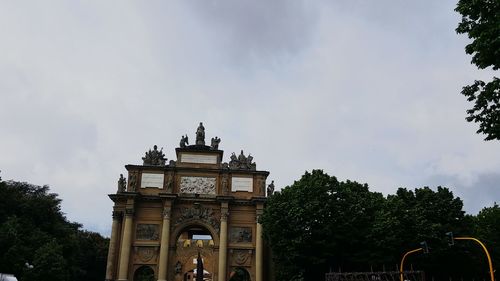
[
  {"x": 317, "y": 222},
  {"x": 481, "y": 22},
  {"x": 488, "y": 231},
  {"x": 31, "y": 222}
]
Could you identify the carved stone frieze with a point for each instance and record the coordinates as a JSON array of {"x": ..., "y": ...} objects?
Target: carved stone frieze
[
  {"x": 198, "y": 213},
  {"x": 197, "y": 185}
]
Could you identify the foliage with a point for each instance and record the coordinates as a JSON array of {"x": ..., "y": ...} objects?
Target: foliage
[
  {"x": 487, "y": 230},
  {"x": 39, "y": 243},
  {"x": 481, "y": 22},
  {"x": 319, "y": 224}
]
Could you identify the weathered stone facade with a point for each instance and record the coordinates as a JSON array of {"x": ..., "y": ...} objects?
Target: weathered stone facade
[{"x": 161, "y": 209}]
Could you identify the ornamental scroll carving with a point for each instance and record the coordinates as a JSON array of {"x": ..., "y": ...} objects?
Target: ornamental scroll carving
[
  {"x": 197, "y": 185},
  {"x": 146, "y": 254},
  {"x": 241, "y": 257},
  {"x": 198, "y": 213}
]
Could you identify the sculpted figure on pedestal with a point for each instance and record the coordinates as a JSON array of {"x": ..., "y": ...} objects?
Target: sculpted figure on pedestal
[
  {"x": 154, "y": 157},
  {"x": 200, "y": 135},
  {"x": 215, "y": 143},
  {"x": 270, "y": 189},
  {"x": 122, "y": 183},
  {"x": 242, "y": 162},
  {"x": 184, "y": 141}
]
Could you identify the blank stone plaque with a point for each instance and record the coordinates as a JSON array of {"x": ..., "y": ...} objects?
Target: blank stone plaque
[
  {"x": 241, "y": 184},
  {"x": 152, "y": 180},
  {"x": 198, "y": 158}
]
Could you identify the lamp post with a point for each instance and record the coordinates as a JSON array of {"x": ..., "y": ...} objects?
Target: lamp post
[{"x": 403, "y": 261}]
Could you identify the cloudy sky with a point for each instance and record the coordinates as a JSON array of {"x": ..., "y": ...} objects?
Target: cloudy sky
[{"x": 366, "y": 90}]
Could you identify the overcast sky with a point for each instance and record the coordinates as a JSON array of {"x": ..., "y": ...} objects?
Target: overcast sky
[{"x": 365, "y": 90}]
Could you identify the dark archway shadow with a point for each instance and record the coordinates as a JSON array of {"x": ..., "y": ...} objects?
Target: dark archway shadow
[{"x": 144, "y": 273}]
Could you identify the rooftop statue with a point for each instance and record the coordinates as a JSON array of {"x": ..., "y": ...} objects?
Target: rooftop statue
[
  {"x": 154, "y": 157},
  {"x": 215, "y": 143},
  {"x": 122, "y": 183},
  {"x": 241, "y": 162},
  {"x": 200, "y": 135},
  {"x": 184, "y": 141},
  {"x": 270, "y": 189}
]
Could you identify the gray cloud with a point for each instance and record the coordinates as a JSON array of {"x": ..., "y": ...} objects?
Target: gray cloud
[
  {"x": 364, "y": 92},
  {"x": 481, "y": 191}
]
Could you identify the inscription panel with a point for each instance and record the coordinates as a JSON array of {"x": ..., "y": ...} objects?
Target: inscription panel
[
  {"x": 152, "y": 180},
  {"x": 198, "y": 185},
  {"x": 241, "y": 184},
  {"x": 199, "y": 159}
]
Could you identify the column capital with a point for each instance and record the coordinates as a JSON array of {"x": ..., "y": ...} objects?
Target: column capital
[
  {"x": 117, "y": 215},
  {"x": 129, "y": 212}
]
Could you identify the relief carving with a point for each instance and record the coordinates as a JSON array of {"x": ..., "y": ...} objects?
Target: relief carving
[
  {"x": 240, "y": 235},
  {"x": 145, "y": 254},
  {"x": 197, "y": 185},
  {"x": 147, "y": 232},
  {"x": 132, "y": 181},
  {"x": 241, "y": 257},
  {"x": 198, "y": 213}
]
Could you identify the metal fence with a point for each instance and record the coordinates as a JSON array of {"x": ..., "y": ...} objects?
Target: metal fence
[{"x": 375, "y": 276}]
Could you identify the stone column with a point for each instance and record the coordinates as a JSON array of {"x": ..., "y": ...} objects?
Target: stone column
[
  {"x": 165, "y": 238},
  {"x": 258, "y": 247},
  {"x": 223, "y": 242},
  {"x": 110, "y": 267},
  {"x": 126, "y": 245}
]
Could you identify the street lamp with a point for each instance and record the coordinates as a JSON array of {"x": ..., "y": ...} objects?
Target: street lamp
[
  {"x": 424, "y": 248},
  {"x": 490, "y": 263}
]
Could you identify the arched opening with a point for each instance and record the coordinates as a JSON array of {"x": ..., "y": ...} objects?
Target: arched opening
[
  {"x": 195, "y": 236},
  {"x": 239, "y": 274},
  {"x": 192, "y": 240},
  {"x": 144, "y": 273}
]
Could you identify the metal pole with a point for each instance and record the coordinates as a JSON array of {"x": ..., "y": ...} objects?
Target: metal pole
[
  {"x": 492, "y": 276},
  {"x": 403, "y": 261}
]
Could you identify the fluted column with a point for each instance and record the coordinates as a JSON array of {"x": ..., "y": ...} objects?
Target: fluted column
[
  {"x": 258, "y": 248},
  {"x": 126, "y": 245},
  {"x": 223, "y": 242},
  {"x": 110, "y": 267},
  {"x": 165, "y": 237}
]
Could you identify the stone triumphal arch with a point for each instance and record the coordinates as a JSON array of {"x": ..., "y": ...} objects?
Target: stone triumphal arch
[{"x": 168, "y": 215}]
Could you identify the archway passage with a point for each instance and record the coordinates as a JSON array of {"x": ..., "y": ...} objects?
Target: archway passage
[
  {"x": 239, "y": 274},
  {"x": 191, "y": 241},
  {"x": 144, "y": 273}
]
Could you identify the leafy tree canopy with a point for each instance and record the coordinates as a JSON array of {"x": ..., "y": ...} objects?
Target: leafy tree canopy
[
  {"x": 319, "y": 224},
  {"x": 481, "y": 22},
  {"x": 37, "y": 242}
]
